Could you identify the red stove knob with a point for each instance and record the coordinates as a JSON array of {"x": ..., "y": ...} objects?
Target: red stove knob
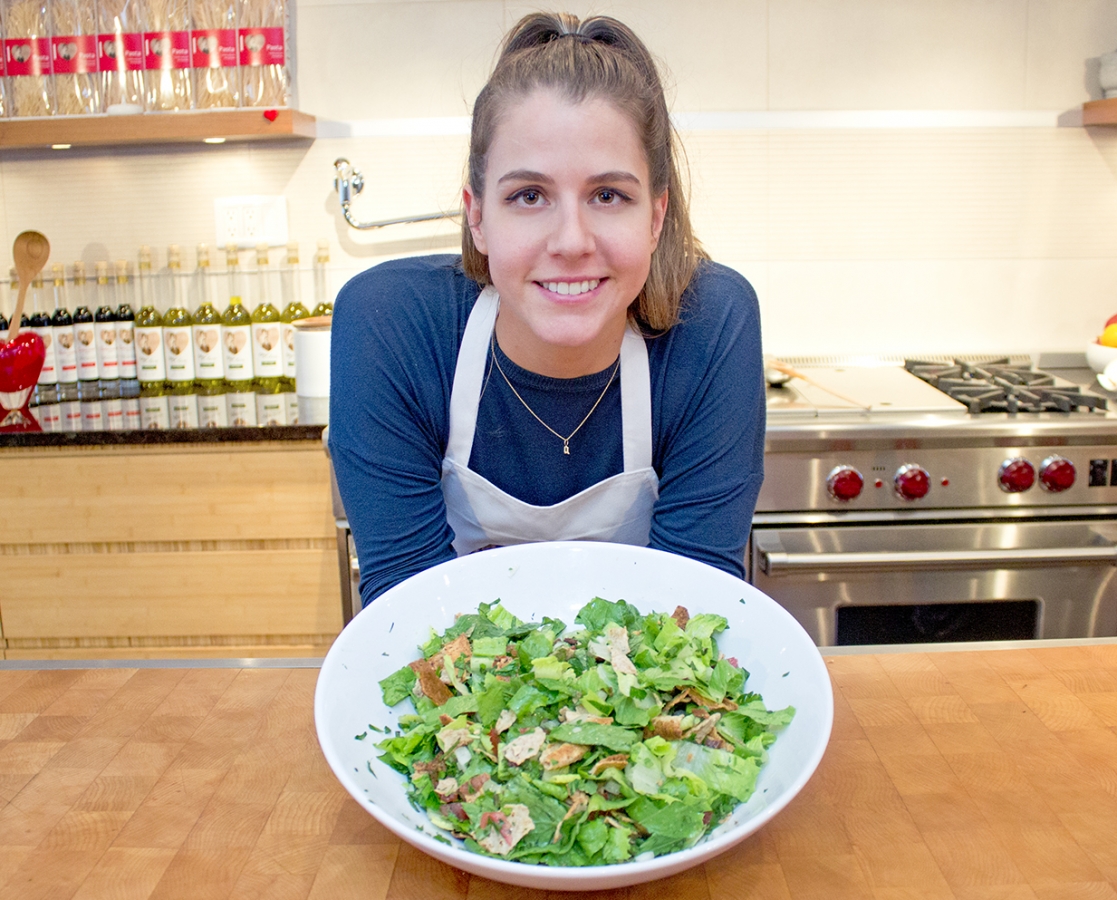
[
  {"x": 844, "y": 483},
  {"x": 912, "y": 482},
  {"x": 1016, "y": 475},
  {"x": 1056, "y": 473}
]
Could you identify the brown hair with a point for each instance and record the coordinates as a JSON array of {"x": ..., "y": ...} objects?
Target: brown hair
[{"x": 597, "y": 57}]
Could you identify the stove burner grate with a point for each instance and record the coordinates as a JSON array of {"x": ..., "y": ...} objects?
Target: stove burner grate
[{"x": 999, "y": 386}]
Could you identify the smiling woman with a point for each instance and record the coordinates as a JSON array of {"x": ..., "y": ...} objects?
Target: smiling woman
[{"x": 627, "y": 403}]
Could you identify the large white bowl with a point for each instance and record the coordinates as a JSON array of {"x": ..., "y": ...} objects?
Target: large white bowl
[
  {"x": 1098, "y": 356},
  {"x": 557, "y": 579}
]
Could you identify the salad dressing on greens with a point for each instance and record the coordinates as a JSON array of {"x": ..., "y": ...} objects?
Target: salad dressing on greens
[{"x": 630, "y": 737}]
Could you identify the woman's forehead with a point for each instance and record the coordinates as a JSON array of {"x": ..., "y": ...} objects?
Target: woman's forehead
[{"x": 544, "y": 128}]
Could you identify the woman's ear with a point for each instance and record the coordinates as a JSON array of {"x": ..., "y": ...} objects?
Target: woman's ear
[
  {"x": 471, "y": 203},
  {"x": 659, "y": 212}
]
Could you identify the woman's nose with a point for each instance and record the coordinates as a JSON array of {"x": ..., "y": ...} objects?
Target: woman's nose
[{"x": 572, "y": 234}]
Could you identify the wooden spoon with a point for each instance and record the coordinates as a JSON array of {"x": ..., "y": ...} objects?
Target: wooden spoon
[{"x": 30, "y": 251}]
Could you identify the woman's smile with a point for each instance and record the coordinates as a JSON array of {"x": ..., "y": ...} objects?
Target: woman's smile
[{"x": 568, "y": 223}]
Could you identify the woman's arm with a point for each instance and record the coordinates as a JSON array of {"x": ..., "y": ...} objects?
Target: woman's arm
[
  {"x": 708, "y": 402},
  {"x": 395, "y": 335}
]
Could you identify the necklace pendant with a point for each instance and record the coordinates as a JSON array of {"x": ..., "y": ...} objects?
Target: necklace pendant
[{"x": 566, "y": 447}]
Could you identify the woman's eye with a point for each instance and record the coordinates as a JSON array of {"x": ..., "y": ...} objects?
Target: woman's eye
[{"x": 528, "y": 197}]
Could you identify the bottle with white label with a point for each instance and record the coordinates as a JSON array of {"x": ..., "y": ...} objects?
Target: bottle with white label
[
  {"x": 323, "y": 299},
  {"x": 45, "y": 398},
  {"x": 126, "y": 339},
  {"x": 209, "y": 361},
  {"x": 178, "y": 341},
  {"x": 293, "y": 310},
  {"x": 151, "y": 365},
  {"x": 108, "y": 360},
  {"x": 66, "y": 359},
  {"x": 236, "y": 327},
  {"x": 104, "y": 325},
  {"x": 85, "y": 342},
  {"x": 267, "y": 352}
]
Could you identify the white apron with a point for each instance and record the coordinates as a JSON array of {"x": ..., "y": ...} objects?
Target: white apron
[{"x": 618, "y": 509}]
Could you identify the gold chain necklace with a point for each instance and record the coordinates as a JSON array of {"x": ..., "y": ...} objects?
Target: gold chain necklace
[{"x": 565, "y": 440}]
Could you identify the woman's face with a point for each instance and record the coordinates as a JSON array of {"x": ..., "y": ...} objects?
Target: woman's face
[{"x": 568, "y": 222}]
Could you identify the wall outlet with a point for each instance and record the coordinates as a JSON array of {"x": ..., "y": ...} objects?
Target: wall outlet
[{"x": 251, "y": 220}]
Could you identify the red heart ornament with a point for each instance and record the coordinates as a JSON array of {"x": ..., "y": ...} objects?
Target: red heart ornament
[
  {"x": 271, "y": 115},
  {"x": 21, "y": 361}
]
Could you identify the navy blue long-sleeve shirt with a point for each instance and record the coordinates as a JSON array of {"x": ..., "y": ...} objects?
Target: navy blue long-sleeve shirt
[{"x": 396, "y": 332}]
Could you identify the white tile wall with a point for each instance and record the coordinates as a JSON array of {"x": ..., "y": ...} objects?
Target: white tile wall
[{"x": 858, "y": 239}]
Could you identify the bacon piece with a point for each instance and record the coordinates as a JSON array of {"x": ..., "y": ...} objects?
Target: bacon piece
[
  {"x": 510, "y": 828},
  {"x": 681, "y": 617},
  {"x": 616, "y": 761},
  {"x": 669, "y": 727},
  {"x": 557, "y": 756},
  {"x": 474, "y": 788},
  {"x": 429, "y": 682},
  {"x": 435, "y": 767}
]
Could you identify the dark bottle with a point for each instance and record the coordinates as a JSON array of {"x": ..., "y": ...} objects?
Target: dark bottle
[{"x": 84, "y": 338}]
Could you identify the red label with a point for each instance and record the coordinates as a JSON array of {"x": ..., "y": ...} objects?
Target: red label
[
  {"x": 27, "y": 56},
  {"x": 167, "y": 49},
  {"x": 261, "y": 47},
  {"x": 214, "y": 48},
  {"x": 121, "y": 52},
  {"x": 74, "y": 54}
]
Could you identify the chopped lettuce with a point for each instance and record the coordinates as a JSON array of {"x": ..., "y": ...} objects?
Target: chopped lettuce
[{"x": 630, "y": 735}]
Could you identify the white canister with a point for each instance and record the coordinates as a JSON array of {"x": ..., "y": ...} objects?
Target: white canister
[
  {"x": 312, "y": 369},
  {"x": 1107, "y": 73}
]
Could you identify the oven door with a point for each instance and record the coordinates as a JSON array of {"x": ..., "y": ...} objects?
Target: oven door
[{"x": 910, "y": 583}]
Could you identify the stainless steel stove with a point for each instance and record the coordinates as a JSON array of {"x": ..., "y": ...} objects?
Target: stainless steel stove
[{"x": 896, "y": 512}]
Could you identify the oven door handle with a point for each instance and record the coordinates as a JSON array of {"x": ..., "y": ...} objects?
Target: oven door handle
[{"x": 775, "y": 562}]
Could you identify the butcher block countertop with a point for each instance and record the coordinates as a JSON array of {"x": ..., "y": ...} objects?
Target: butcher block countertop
[{"x": 984, "y": 774}]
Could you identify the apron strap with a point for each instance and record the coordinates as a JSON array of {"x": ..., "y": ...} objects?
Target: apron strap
[
  {"x": 469, "y": 375},
  {"x": 636, "y": 401}
]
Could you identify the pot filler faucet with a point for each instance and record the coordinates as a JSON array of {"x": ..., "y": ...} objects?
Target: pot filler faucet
[{"x": 349, "y": 181}]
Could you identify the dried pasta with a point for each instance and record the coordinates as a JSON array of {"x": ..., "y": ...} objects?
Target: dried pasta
[
  {"x": 214, "y": 45},
  {"x": 265, "y": 78},
  {"x": 74, "y": 56},
  {"x": 28, "y": 60},
  {"x": 167, "y": 55},
  {"x": 120, "y": 27}
]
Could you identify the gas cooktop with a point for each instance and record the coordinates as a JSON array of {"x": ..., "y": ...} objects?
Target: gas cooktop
[{"x": 1003, "y": 386}]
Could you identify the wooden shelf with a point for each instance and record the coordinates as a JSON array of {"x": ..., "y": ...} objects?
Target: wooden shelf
[
  {"x": 157, "y": 128},
  {"x": 1100, "y": 112}
]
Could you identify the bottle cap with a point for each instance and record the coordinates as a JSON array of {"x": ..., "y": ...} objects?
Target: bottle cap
[
  {"x": 145, "y": 258},
  {"x": 58, "y": 274},
  {"x": 102, "y": 269},
  {"x": 292, "y": 253},
  {"x": 122, "y": 266},
  {"x": 261, "y": 254},
  {"x": 79, "y": 272}
]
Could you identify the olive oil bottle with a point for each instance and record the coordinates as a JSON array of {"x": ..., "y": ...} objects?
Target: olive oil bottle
[
  {"x": 323, "y": 304},
  {"x": 209, "y": 363},
  {"x": 236, "y": 327},
  {"x": 151, "y": 363},
  {"x": 267, "y": 354},
  {"x": 178, "y": 342},
  {"x": 293, "y": 310}
]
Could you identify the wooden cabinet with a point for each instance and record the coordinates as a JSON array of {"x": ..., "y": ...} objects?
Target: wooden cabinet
[{"x": 216, "y": 550}]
